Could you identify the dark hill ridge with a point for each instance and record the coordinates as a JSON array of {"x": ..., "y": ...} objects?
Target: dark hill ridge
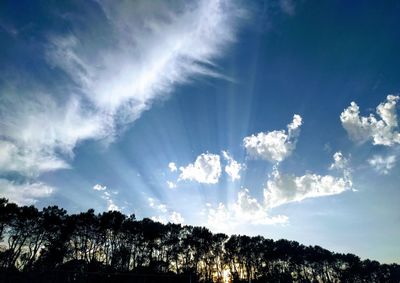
[{"x": 52, "y": 246}]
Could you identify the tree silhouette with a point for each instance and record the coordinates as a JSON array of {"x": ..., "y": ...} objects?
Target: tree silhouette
[{"x": 112, "y": 247}]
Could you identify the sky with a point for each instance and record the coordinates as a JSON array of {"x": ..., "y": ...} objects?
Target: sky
[{"x": 273, "y": 118}]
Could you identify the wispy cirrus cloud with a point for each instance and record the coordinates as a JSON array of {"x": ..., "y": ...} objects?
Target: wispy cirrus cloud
[
  {"x": 106, "y": 82},
  {"x": 26, "y": 193}
]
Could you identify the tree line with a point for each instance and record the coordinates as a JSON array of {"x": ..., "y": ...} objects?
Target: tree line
[{"x": 50, "y": 239}]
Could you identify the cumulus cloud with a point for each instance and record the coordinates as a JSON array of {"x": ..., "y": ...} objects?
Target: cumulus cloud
[
  {"x": 165, "y": 214},
  {"x": 171, "y": 185},
  {"x": 156, "y": 205},
  {"x": 248, "y": 209},
  {"x": 107, "y": 195},
  {"x": 341, "y": 163},
  {"x": 286, "y": 188},
  {"x": 145, "y": 50},
  {"x": 24, "y": 193},
  {"x": 233, "y": 167},
  {"x": 206, "y": 169},
  {"x": 245, "y": 210},
  {"x": 99, "y": 187},
  {"x": 280, "y": 189},
  {"x": 172, "y": 167},
  {"x": 111, "y": 205},
  {"x": 382, "y": 165},
  {"x": 176, "y": 218},
  {"x": 381, "y": 129},
  {"x": 274, "y": 146}
]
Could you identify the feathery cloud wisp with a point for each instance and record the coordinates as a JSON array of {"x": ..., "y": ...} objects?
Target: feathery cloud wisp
[
  {"x": 146, "y": 50},
  {"x": 24, "y": 193}
]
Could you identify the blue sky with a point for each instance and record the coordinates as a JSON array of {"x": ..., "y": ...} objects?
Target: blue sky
[{"x": 233, "y": 115}]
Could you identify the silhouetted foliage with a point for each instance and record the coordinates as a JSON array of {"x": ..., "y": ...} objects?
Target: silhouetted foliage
[{"x": 52, "y": 246}]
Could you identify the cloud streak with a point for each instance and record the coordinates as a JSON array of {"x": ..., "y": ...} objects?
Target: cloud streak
[
  {"x": 155, "y": 50},
  {"x": 24, "y": 193},
  {"x": 145, "y": 50}
]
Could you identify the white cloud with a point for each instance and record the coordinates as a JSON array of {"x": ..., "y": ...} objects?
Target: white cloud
[
  {"x": 172, "y": 167},
  {"x": 381, "y": 164},
  {"x": 24, "y": 193},
  {"x": 152, "y": 202},
  {"x": 107, "y": 195},
  {"x": 39, "y": 134},
  {"x": 383, "y": 131},
  {"x": 282, "y": 189},
  {"x": 249, "y": 210},
  {"x": 286, "y": 188},
  {"x": 206, "y": 169},
  {"x": 111, "y": 205},
  {"x": 162, "y": 208},
  {"x": 156, "y": 205},
  {"x": 341, "y": 163},
  {"x": 233, "y": 167},
  {"x": 274, "y": 146},
  {"x": 28, "y": 162},
  {"x": 154, "y": 47},
  {"x": 99, "y": 187},
  {"x": 158, "y": 45},
  {"x": 171, "y": 185},
  {"x": 219, "y": 219},
  {"x": 245, "y": 210},
  {"x": 165, "y": 215},
  {"x": 176, "y": 217}
]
